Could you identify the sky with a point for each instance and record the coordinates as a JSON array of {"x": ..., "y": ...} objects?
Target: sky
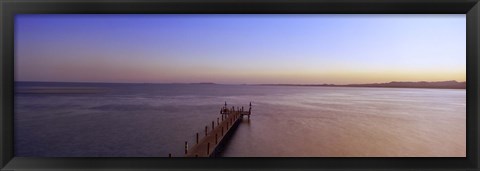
[{"x": 240, "y": 49}]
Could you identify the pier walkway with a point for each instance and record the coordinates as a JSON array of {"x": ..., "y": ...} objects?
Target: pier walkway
[{"x": 211, "y": 142}]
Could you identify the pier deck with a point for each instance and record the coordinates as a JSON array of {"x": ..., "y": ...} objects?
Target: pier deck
[{"x": 214, "y": 139}]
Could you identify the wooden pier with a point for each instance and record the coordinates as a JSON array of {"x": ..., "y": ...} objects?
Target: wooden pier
[{"x": 211, "y": 142}]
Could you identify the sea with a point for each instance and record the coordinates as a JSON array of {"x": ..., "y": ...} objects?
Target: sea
[{"x": 155, "y": 120}]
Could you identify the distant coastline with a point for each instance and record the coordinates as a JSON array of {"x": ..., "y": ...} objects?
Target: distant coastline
[{"x": 394, "y": 84}]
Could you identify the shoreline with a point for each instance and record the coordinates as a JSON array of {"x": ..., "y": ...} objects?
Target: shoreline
[
  {"x": 423, "y": 85},
  {"x": 364, "y": 86}
]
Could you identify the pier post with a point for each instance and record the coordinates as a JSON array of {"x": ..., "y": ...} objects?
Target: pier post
[
  {"x": 218, "y": 121},
  {"x": 197, "y": 137},
  {"x": 242, "y": 108},
  {"x": 169, "y": 154},
  {"x": 208, "y": 148},
  {"x": 213, "y": 125},
  {"x": 222, "y": 118},
  {"x": 250, "y": 109},
  {"x": 216, "y": 139},
  {"x": 206, "y": 130},
  {"x": 222, "y": 130},
  {"x": 186, "y": 147}
]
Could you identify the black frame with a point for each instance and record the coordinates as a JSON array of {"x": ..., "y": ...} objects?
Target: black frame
[{"x": 9, "y": 8}]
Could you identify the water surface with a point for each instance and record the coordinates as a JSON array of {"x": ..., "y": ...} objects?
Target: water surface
[{"x": 153, "y": 120}]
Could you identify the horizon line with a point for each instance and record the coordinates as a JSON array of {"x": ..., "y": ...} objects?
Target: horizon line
[{"x": 233, "y": 83}]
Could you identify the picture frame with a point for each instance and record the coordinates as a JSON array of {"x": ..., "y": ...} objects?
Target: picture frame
[{"x": 9, "y": 8}]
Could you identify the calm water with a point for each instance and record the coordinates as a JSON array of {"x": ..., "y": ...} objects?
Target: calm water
[{"x": 134, "y": 120}]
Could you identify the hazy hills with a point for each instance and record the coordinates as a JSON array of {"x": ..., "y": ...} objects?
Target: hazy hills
[
  {"x": 394, "y": 84},
  {"x": 421, "y": 84}
]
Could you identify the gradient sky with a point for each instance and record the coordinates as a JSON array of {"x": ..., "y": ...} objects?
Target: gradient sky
[{"x": 233, "y": 49}]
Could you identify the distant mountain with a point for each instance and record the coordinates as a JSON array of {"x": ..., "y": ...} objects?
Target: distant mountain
[
  {"x": 421, "y": 84},
  {"x": 394, "y": 84},
  {"x": 203, "y": 83}
]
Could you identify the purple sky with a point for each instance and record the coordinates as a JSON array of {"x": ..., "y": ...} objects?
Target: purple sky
[{"x": 301, "y": 49}]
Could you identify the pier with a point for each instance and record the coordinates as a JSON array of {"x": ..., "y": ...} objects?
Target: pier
[{"x": 211, "y": 142}]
